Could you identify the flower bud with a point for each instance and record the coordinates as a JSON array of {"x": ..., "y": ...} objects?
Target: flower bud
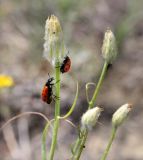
[
  {"x": 109, "y": 48},
  {"x": 90, "y": 117},
  {"x": 54, "y": 49},
  {"x": 120, "y": 115}
]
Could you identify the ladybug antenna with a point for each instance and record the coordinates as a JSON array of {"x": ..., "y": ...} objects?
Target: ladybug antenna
[
  {"x": 68, "y": 53},
  {"x": 49, "y": 75}
]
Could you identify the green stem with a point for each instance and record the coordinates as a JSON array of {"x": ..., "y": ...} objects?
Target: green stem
[
  {"x": 92, "y": 102},
  {"x": 72, "y": 107},
  {"x": 76, "y": 145},
  {"x": 87, "y": 88},
  {"x": 57, "y": 112},
  {"x": 113, "y": 134},
  {"x": 44, "y": 135},
  {"x": 81, "y": 143}
]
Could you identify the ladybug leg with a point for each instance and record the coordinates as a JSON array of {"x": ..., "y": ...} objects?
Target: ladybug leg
[
  {"x": 54, "y": 83},
  {"x": 55, "y": 97},
  {"x": 57, "y": 81},
  {"x": 58, "y": 66},
  {"x": 49, "y": 75}
]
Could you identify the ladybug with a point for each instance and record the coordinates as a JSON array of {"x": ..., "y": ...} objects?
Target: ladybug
[
  {"x": 65, "y": 66},
  {"x": 47, "y": 92}
]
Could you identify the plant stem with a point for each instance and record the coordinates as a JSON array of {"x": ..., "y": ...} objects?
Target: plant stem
[
  {"x": 113, "y": 134},
  {"x": 76, "y": 145},
  {"x": 92, "y": 102},
  {"x": 57, "y": 112},
  {"x": 72, "y": 107},
  {"x": 44, "y": 135},
  {"x": 81, "y": 143}
]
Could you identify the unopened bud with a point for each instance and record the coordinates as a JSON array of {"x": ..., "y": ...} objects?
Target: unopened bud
[
  {"x": 54, "y": 48},
  {"x": 120, "y": 115},
  {"x": 90, "y": 117},
  {"x": 109, "y": 48}
]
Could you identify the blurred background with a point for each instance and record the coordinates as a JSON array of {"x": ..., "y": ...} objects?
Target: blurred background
[{"x": 22, "y": 25}]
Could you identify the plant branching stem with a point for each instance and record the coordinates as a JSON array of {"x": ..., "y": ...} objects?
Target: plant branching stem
[
  {"x": 82, "y": 141},
  {"x": 57, "y": 112},
  {"x": 82, "y": 144},
  {"x": 44, "y": 136},
  {"x": 113, "y": 134},
  {"x": 92, "y": 102},
  {"x": 73, "y": 106}
]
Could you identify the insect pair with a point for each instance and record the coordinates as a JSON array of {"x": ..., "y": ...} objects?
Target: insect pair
[{"x": 47, "y": 92}]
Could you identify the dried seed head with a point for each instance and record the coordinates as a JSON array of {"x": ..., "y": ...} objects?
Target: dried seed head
[
  {"x": 90, "y": 117},
  {"x": 120, "y": 115},
  {"x": 54, "y": 48},
  {"x": 109, "y": 48}
]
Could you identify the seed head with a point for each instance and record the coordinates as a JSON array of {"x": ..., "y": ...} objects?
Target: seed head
[
  {"x": 120, "y": 115},
  {"x": 90, "y": 117},
  {"x": 109, "y": 48},
  {"x": 54, "y": 48}
]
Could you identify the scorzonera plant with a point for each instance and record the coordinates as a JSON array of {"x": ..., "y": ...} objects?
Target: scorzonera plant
[
  {"x": 55, "y": 49},
  {"x": 56, "y": 53}
]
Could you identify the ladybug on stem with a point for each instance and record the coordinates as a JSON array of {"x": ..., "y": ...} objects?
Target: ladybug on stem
[
  {"x": 66, "y": 65},
  {"x": 47, "y": 92}
]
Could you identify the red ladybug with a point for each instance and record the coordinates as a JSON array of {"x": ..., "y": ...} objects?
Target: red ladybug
[
  {"x": 66, "y": 65},
  {"x": 47, "y": 92}
]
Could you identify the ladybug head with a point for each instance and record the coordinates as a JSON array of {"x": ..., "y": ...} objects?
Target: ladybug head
[{"x": 50, "y": 79}]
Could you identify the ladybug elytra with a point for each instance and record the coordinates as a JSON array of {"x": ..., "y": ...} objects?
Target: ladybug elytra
[
  {"x": 66, "y": 65},
  {"x": 47, "y": 91}
]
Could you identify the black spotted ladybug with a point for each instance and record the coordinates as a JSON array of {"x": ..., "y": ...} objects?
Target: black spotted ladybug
[
  {"x": 47, "y": 92},
  {"x": 66, "y": 65}
]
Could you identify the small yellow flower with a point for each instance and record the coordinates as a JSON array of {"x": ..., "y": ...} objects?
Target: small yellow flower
[{"x": 6, "y": 81}]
